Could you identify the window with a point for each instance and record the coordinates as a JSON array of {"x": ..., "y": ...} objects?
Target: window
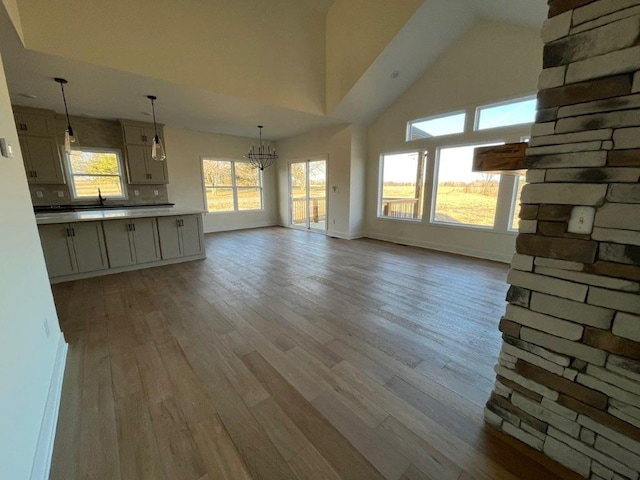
[
  {"x": 520, "y": 181},
  {"x": 505, "y": 114},
  {"x": 231, "y": 186},
  {"x": 92, "y": 169},
  {"x": 436, "y": 126},
  {"x": 402, "y": 188},
  {"x": 464, "y": 197}
]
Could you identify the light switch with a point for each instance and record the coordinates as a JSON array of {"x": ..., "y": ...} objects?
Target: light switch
[
  {"x": 581, "y": 220},
  {"x": 136, "y": 192},
  {"x": 155, "y": 192},
  {"x": 6, "y": 150}
]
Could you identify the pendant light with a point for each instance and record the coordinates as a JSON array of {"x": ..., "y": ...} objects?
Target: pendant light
[
  {"x": 263, "y": 157},
  {"x": 69, "y": 136},
  {"x": 157, "y": 149}
]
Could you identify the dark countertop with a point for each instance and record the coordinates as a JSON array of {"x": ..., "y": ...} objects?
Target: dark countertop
[{"x": 80, "y": 207}]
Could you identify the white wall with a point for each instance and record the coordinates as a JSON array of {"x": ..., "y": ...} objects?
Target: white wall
[
  {"x": 358, "y": 180},
  {"x": 492, "y": 62},
  {"x": 27, "y": 354},
  {"x": 185, "y": 149}
]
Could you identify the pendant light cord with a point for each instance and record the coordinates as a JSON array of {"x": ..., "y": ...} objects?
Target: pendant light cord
[
  {"x": 66, "y": 110},
  {"x": 155, "y": 125}
]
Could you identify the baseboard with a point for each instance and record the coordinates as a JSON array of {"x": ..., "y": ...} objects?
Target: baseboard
[
  {"x": 344, "y": 236},
  {"x": 44, "y": 449},
  {"x": 467, "y": 252}
]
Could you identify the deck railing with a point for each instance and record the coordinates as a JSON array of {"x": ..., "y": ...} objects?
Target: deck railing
[
  {"x": 400, "y": 207},
  {"x": 318, "y": 206}
]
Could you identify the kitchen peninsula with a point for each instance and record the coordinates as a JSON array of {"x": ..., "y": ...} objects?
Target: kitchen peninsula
[{"x": 88, "y": 243}]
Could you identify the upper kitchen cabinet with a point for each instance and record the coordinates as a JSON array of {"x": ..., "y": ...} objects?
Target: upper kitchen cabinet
[
  {"x": 40, "y": 152},
  {"x": 141, "y": 168},
  {"x": 39, "y": 123},
  {"x": 138, "y": 135}
]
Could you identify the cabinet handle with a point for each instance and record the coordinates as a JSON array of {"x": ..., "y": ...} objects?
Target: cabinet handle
[
  {"x": 133, "y": 225},
  {"x": 73, "y": 232},
  {"x": 35, "y": 173},
  {"x": 68, "y": 231},
  {"x": 177, "y": 222}
]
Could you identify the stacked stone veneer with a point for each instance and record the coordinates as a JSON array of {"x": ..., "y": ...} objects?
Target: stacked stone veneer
[{"x": 568, "y": 377}]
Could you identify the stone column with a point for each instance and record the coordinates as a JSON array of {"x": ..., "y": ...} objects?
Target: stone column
[{"x": 568, "y": 377}]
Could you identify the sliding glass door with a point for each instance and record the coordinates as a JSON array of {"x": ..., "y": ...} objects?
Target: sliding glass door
[{"x": 308, "y": 194}]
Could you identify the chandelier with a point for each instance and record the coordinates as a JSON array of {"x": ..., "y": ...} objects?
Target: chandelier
[{"x": 263, "y": 157}]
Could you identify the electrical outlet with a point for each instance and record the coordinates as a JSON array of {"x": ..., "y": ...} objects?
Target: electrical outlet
[
  {"x": 155, "y": 192},
  {"x": 39, "y": 194},
  {"x": 136, "y": 192},
  {"x": 581, "y": 220},
  {"x": 60, "y": 193},
  {"x": 46, "y": 327}
]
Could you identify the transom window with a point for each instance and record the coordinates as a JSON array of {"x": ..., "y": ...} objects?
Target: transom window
[
  {"x": 93, "y": 170},
  {"x": 505, "y": 114},
  {"x": 231, "y": 186},
  {"x": 436, "y": 126}
]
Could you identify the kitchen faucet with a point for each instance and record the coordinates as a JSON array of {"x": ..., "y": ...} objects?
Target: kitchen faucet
[{"x": 101, "y": 199}]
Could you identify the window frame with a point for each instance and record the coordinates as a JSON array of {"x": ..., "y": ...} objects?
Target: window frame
[
  {"x": 425, "y": 179},
  {"x": 436, "y": 117},
  {"x": 434, "y": 193},
  {"x": 479, "y": 108},
  {"x": 514, "y": 202},
  {"x": 71, "y": 176},
  {"x": 234, "y": 187}
]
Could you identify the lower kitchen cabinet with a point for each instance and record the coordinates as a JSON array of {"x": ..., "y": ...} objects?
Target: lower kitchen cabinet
[
  {"x": 82, "y": 249},
  {"x": 180, "y": 236},
  {"x": 73, "y": 248},
  {"x": 132, "y": 241}
]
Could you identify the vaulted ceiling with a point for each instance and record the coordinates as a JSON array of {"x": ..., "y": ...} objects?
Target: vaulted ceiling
[{"x": 215, "y": 65}]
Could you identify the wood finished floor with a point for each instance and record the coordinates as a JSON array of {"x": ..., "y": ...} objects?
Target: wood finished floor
[{"x": 287, "y": 355}]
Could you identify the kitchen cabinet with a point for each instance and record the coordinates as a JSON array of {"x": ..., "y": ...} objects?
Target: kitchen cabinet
[
  {"x": 141, "y": 168},
  {"x": 33, "y": 122},
  {"x": 132, "y": 241},
  {"x": 180, "y": 236},
  {"x": 40, "y": 151},
  {"x": 144, "y": 169},
  {"x": 73, "y": 248},
  {"x": 138, "y": 135},
  {"x": 41, "y": 160}
]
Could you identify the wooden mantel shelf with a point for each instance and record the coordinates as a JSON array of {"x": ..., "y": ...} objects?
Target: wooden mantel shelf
[{"x": 507, "y": 158}]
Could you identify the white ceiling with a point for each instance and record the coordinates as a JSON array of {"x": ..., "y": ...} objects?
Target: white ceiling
[{"x": 116, "y": 94}]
